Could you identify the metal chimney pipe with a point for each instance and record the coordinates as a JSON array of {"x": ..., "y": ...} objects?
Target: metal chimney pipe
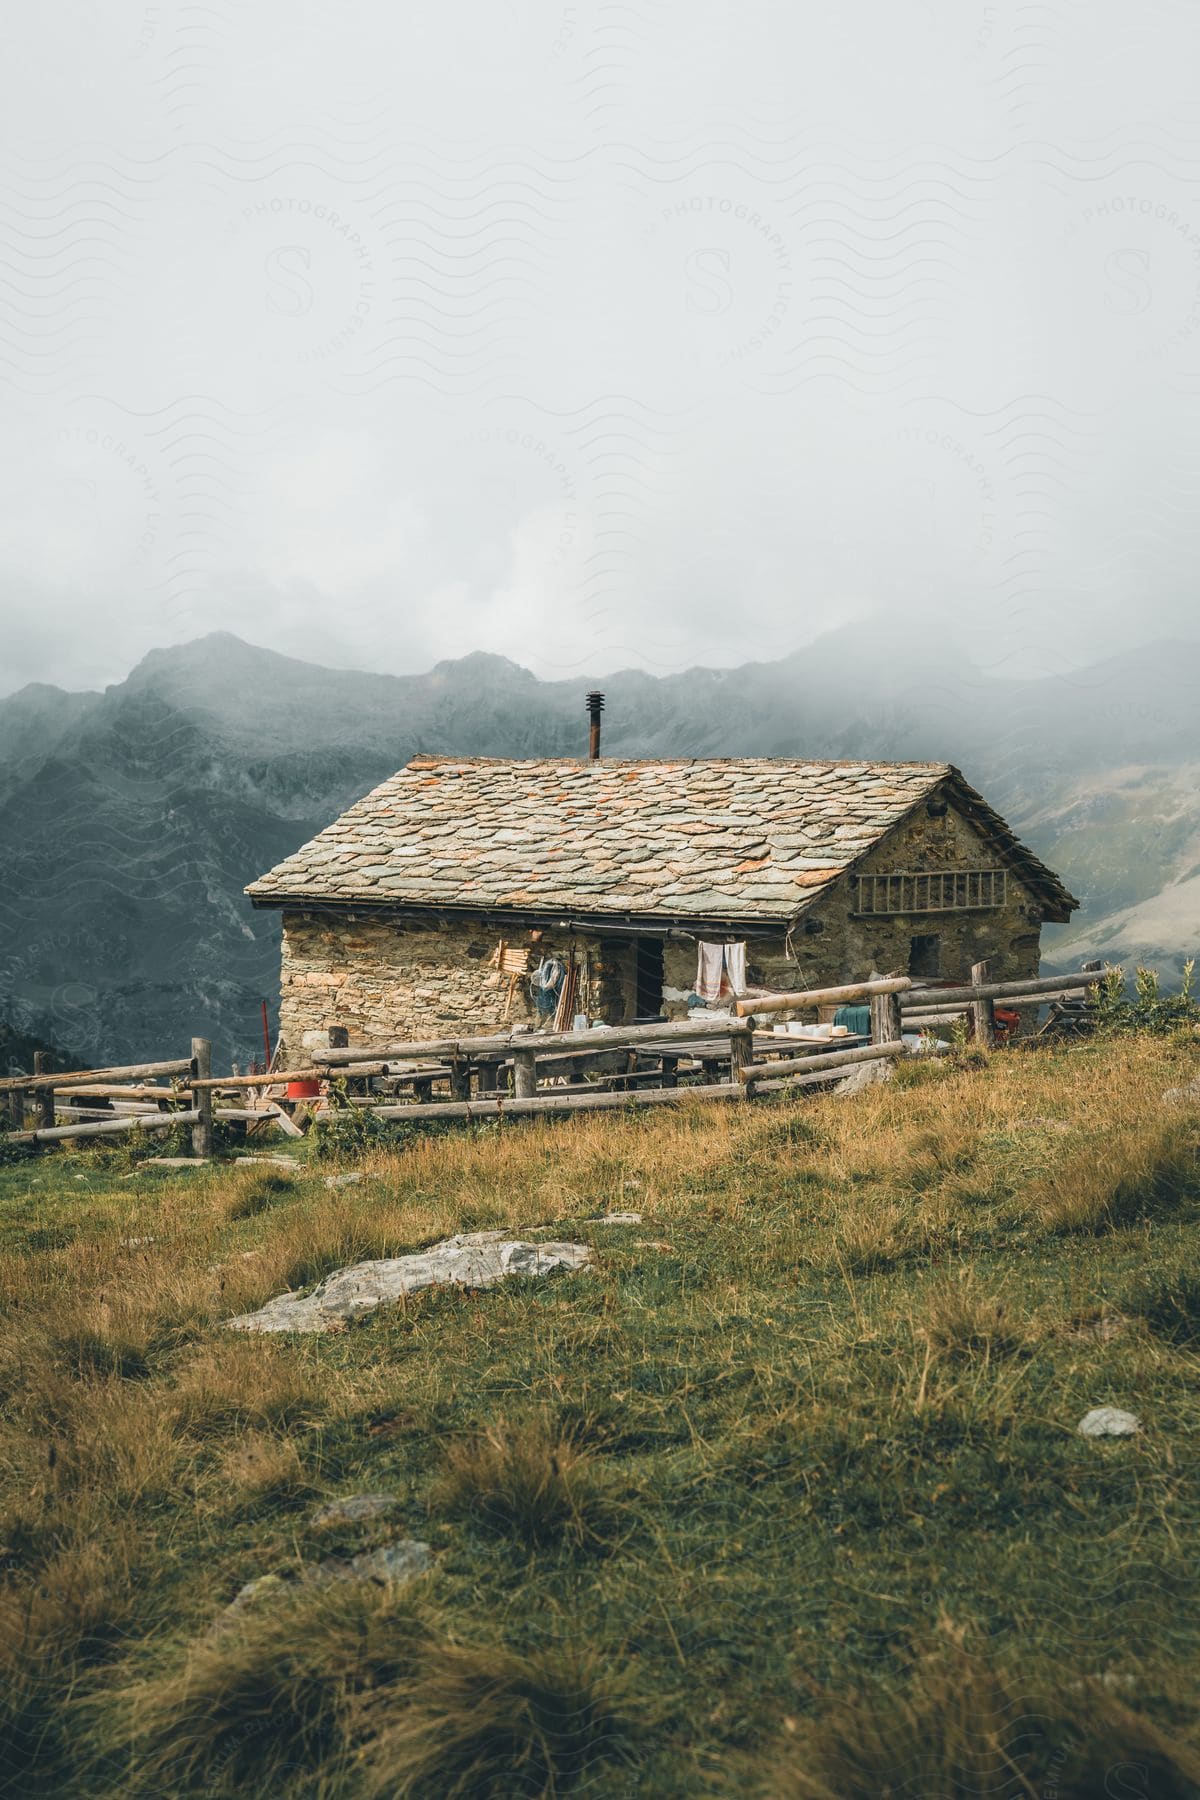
[{"x": 595, "y": 706}]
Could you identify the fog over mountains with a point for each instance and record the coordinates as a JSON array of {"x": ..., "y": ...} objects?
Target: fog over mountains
[{"x": 131, "y": 819}]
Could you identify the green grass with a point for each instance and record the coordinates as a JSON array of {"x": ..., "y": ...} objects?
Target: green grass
[{"x": 785, "y": 1497}]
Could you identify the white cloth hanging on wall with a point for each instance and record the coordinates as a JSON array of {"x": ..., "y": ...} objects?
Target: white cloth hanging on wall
[
  {"x": 715, "y": 960},
  {"x": 735, "y": 967},
  {"x": 710, "y": 960}
]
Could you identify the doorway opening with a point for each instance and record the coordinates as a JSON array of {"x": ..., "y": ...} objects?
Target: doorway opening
[
  {"x": 648, "y": 976},
  {"x": 925, "y": 955}
]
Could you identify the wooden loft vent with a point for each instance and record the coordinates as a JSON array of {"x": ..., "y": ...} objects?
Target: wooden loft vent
[{"x": 950, "y": 890}]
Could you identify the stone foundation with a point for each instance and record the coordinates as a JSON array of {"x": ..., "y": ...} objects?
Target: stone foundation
[{"x": 385, "y": 980}]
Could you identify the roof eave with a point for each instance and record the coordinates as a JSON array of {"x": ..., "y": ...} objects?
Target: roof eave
[{"x": 576, "y": 918}]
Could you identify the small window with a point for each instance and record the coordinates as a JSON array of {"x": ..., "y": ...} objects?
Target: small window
[{"x": 925, "y": 955}]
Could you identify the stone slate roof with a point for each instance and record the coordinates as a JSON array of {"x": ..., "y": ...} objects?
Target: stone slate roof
[{"x": 753, "y": 839}]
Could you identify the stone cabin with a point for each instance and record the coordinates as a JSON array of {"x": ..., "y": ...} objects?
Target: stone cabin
[{"x": 395, "y": 916}]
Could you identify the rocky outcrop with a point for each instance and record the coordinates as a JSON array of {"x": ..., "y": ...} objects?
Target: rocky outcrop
[{"x": 474, "y": 1260}]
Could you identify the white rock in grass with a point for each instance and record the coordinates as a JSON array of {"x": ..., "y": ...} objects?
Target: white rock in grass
[
  {"x": 474, "y": 1260},
  {"x": 864, "y": 1075},
  {"x": 393, "y": 1563},
  {"x": 354, "y": 1508},
  {"x": 401, "y": 1561},
  {"x": 616, "y": 1218},
  {"x": 1108, "y": 1421}
]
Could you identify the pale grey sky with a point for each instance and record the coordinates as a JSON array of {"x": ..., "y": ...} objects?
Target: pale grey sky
[{"x": 631, "y": 332}]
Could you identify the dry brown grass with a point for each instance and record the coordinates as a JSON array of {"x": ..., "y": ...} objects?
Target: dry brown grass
[
  {"x": 531, "y": 1483},
  {"x": 57, "y": 1620},
  {"x": 1127, "y": 1175},
  {"x": 965, "y": 1726},
  {"x": 963, "y": 1320},
  {"x": 237, "y": 1382},
  {"x": 778, "y": 1355},
  {"x": 480, "y": 1720},
  {"x": 864, "y": 1242},
  {"x": 254, "y": 1191},
  {"x": 261, "y": 1470},
  {"x": 249, "y": 1709}
]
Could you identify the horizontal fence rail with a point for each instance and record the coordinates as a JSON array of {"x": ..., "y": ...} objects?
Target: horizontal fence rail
[
  {"x": 1039, "y": 987},
  {"x": 810, "y": 1065},
  {"x": 607, "y": 1037},
  {"x": 52, "y": 1134},
  {"x": 597, "y": 1069},
  {"x": 182, "y": 1066},
  {"x": 807, "y": 999}
]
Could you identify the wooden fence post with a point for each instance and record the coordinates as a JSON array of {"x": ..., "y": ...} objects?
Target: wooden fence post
[
  {"x": 741, "y": 1051},
  {"x": 202, "y": 1099},
  {"x": 16, "y": 1109},
  {"x": 45, "y": 1098},
  {"x": 524, "y": 1074},
  {"x": 983, "y": 1019},
  {"x": 460, "y": 1080},
  {"x": 885, "y": 1018}
]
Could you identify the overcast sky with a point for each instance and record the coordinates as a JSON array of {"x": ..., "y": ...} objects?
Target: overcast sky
[{"x": 631, "y": 332}]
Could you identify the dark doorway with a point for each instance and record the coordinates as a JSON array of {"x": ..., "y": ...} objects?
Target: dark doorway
[
  {"x": 649, "y": 979},
  {"x": 925, "y": 955}
]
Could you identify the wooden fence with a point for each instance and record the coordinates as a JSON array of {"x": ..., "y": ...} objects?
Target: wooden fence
[{"x": 513, "y": 1074}]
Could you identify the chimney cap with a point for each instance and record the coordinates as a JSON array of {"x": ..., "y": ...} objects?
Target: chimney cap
[{"x": 595, "y": 703}]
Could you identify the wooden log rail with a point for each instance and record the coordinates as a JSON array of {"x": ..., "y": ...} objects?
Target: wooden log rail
[
  {"x": 560, "y": 1100},
  {"x": 1039, "y": 988},
  {"x": 123, "y": 1107},
  {"x": 155, "y": 1121},
  {"x": 812, "y": 1065},
  {"x": 915, "y": 1018},
  {"x": 806, "y": 999},
  {"x": 111, "y": 1090},
  {"x": 615, "y": 1037},
  {"x": 182, "y": 1066}
]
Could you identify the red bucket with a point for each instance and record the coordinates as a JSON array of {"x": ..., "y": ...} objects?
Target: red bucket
[{"x": 303, "y": 1090}]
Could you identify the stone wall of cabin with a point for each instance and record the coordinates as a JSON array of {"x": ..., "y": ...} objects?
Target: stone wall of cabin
[
  {"x": 385, "y": 980},
  {"x": 831, "y": 944}
]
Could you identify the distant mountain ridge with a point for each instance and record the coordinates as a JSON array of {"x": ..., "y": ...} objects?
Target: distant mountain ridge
[{"x": 131, "y": 819}]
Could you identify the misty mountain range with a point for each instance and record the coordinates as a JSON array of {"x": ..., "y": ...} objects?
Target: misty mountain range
[{"x": 131, "y": 819}]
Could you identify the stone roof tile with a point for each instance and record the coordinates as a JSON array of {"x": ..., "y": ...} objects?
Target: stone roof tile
[{"x": 743, "y": 838}]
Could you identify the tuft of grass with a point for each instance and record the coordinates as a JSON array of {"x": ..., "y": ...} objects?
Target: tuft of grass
[
  {"x": 962, "y": 1321},
  {"x": 91, "y": 1350},
  {"x": 258, "y": 1192},
  {"x": 54, "y": 1624},
  {"x": 1133, "y": 1173},
  {"x": 866, "y": 1242},
  {"x": 932, "y": 1155},
  {"x": 1170, "y": 1307},
  {"x": 964, "y": 1726},
  {"x": 263, "y": 1471},
  {"x": 236, "y": 1383},
  {"x": 251, "y": 1708},
  {"x": 485, "y": 1720},
  {"x": 532, "y": 1483}
]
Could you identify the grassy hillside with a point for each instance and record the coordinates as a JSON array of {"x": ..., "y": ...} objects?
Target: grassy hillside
[{"x": 784, "y": 1497}]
